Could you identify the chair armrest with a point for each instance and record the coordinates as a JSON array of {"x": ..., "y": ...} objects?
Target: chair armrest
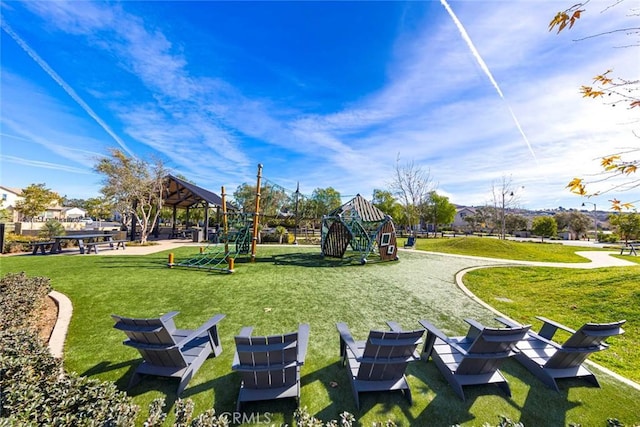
[
  {"x": 207, "y": 326},
  {"x": 169, "y": 316},
  {"x": 475, "y": 328},
  {"x": 347, "y": 339},
  {"x": 431, "y": 329},
  {"x": 550, "y": 327},
  {"x": 508, "y": 322},
  {"x": 394, "y": 326},
  {"x": 303, "y": 342}
]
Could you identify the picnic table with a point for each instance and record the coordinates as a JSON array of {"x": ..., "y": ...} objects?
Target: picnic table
[
  {"x": 182, "y": 234},
  {"x": 85, "y": 241},
  {"x": 630, "y": 247}
]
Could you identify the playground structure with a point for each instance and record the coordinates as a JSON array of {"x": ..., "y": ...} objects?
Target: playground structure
[
  {"x": 238, "y": 236},
  {"x": 361, "y": 225},
  {"x": 239, "y": 232}
]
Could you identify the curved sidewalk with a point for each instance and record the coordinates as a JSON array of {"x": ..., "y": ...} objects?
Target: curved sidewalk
[{"x": 598, "y": 259}]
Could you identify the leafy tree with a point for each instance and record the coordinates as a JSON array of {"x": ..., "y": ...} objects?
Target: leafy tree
[
  {"x": 626, "y": 224},
  {"x": 515, "y": 222},
  {"x": 325, "y": 200},
  {"x": 473, "y": 224},
  {"x": 273, "y": 201},
  {"x": 134, "y": 187},
  {"x": 75, "y": 203},
  {"x": 411, "y": 185},
  {"x": 52, "y": 228},
  {"x": 280, "y": 232},
  {"x": 99, "y": 208},
  {"x": 439, "y": 211},
  {"x": 5, "y": 215},
  {"x": 485, "y": 217},
  {"x": 544, "y": 226},
  {"x": 37, "y": 198},
  {"x": 616, "y": 90},
  {"x": 573, "y": 221},
  {"x": 385, "y": 201}
]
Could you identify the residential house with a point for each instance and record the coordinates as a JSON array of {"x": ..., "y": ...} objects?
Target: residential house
[
  {"x": 71, "y": 214},
  {"x": 8, "y": 198}
]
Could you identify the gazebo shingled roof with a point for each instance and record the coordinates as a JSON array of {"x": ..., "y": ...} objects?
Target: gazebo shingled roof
[{"x": 183, "y": 194}]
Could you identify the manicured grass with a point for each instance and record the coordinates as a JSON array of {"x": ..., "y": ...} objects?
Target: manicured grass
[
  {"x": 494, "y": 248},
  {"x": 288, "y": 285},
  {"x": 571, "y": 297}
]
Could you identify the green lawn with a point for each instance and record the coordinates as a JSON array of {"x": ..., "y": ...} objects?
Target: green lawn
[
  {"x": 570, "y": 297},
  {"x": 495, "y": 248},
  {"x": 288, "y": 285}
]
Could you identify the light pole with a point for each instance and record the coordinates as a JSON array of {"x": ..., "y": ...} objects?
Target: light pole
[
  {"x": 504, "y": 220},
  {"x": 295, "y": 230},
  {"x": 595, "y": 222}
]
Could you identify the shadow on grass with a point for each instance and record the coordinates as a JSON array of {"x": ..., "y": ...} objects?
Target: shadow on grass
[
  {"x": 317, "y": 260},
  {"x": 103, "y": 367},
  {"x": 133, "y": 261},
  {"x": 542, "y": 405}
]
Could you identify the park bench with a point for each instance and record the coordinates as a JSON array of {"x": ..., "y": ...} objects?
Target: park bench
[
  {"x": 113, "y": 244},
  {"x": 629, "y": 247},
  {"x": 41, "y": 246}
]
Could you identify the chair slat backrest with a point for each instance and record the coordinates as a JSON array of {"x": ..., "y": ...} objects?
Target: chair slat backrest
[
  {"x": 593, "y": 334},
  {"x": 495, "y": 344},
  {"x": 387, "y": 353},
  {"x": 590, "y": 338},
  {"x": 153, "y": 340},
  {"x": 148, "y": 331},
  {"x": 268, "y": 361}
]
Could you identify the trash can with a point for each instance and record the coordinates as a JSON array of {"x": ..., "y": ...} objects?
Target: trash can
[{"x": 197, "y": 234}]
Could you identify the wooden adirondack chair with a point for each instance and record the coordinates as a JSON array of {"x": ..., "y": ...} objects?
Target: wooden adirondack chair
[
  {"x": 411, "y": 242},
  {"x": 475, "y": 358},
  {"x": 380, "y": 362},
  {"x": 549, "y": 360},
  {"x": 270, "y": 365},
  {"x": 167, "y": 351}
]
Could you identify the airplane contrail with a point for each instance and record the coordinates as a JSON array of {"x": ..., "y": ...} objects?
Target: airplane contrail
[
  {"x": 485, "y": 69},
  {"x": 45, "y": 165},
  {"x": 68, "y": 89}
]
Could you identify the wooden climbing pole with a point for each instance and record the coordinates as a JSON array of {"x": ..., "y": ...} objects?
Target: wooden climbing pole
[{"x": 256, "y": 216}]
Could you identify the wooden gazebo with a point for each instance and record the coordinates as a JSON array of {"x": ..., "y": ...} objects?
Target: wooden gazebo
[{"x": 182, "y": 194}]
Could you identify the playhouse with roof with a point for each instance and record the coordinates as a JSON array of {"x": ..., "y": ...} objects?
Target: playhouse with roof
[{"x": 362, "y": 226}]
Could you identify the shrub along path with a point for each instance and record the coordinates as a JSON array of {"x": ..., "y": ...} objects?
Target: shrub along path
[{"x": 288, "y": 285}]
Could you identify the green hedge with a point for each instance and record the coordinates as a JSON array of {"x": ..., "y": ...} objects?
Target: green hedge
[{"x": 34, "y": 390}]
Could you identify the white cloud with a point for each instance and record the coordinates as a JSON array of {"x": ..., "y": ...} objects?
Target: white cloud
[{"x": 439, "y": 106}]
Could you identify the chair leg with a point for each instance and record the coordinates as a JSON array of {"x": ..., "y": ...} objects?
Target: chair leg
[
  {"x": 407, "y": 394},
  {"x": 504, "y": 386},
  {"x": 592, "y": 379},
  {"x": 457, "y": 388},
  {"x": 135, "y": 379},
  {"x": 183, "y": 382},
  {"x": 427, "y": 349}
]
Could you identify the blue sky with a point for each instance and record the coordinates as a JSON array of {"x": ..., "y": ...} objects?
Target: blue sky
[{"x": 327, "y": 94}]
